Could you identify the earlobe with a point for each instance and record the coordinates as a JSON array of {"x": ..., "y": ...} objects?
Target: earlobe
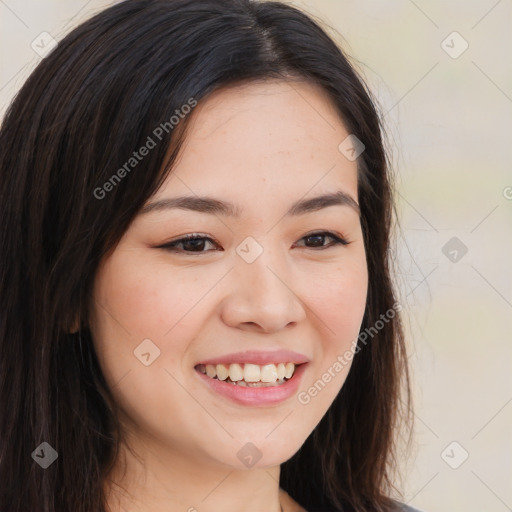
[{"x": 75, "y": 326}]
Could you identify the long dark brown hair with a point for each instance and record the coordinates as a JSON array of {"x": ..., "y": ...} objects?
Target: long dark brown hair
[{"x": 81, "y": 114}]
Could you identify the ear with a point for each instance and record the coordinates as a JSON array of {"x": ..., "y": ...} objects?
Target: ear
[{"x": 75, "y": 326}]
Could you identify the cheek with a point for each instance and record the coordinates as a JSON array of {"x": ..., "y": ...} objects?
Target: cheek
[
  {"x": 338, "y": 300},
  {"x": 147, "y": 300},
  {"x": 136, "y": 302},
  {"x": 349, "y": 303}
]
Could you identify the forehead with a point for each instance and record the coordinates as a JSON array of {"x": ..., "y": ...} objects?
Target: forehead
[
  {"x": 279, "y": 109},
  {"x": 269, "y": 137}
]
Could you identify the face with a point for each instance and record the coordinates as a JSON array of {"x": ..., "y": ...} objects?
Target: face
[{"x": 266, "y": 282}]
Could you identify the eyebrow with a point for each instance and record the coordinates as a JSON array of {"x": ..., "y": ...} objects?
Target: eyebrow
[{"x": 211, "y": 205}]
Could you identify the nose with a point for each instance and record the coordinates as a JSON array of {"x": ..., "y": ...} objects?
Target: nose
[{"x": 261, "y": 297}]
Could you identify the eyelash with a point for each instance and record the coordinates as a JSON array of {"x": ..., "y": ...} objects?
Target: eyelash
[{"x": 171, "y": 246}]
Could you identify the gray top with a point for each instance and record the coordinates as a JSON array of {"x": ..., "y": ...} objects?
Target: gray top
[
  {"x": 407, "y": 508},
  {"x": 402, "y": 507}
]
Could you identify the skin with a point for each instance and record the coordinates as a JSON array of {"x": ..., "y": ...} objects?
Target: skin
[{"x": 262, "y": 146}]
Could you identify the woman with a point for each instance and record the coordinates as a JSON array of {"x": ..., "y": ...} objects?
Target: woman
[{"x": 197, "y": 311}]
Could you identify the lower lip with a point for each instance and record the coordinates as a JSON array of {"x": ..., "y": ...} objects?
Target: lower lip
[{"x": 256, "y": 396}]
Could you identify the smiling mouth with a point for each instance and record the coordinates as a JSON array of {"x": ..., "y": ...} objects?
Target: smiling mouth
[{"x": 250, "y": 375}]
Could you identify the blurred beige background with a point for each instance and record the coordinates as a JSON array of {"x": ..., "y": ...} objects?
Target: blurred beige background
[{"x": 447, "y": 100}]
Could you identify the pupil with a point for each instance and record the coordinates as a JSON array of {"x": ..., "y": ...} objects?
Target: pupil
[
  {"x": 195, "y": 243},
  {"x": 318, "y": 239}
]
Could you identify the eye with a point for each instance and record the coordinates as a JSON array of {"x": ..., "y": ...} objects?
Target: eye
[
  {"x": 195, "y": 243},
  {"x": 318, "y": 237}
]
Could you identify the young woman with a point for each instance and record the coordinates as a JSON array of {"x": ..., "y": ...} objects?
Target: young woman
[{"x": 196, "y": 305}]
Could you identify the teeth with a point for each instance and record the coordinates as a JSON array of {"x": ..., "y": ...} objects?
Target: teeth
[
  {"x": 236, "y": 372},
  {"x": 247, "y": 374},
  {"x": 222, "y": 372},
  {"x": 252, "y": 373},
  {"x": 268, "y": 373},
  {"x": 211, "y": 371}
]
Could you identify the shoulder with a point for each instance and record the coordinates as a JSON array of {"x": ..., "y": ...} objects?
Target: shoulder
[
  {"x": 295, "y": 507},
  {"x": 406, "y": 508},
  {"x": 401, "y": 507}
]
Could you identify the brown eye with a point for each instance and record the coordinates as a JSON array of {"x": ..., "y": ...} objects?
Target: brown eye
[
  {"x": 317, "y": 240},
  {"x": 190, "y": 244},
  {"x": 196, "y": 244}
]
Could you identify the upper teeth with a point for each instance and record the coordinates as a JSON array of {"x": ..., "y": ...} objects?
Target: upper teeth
[{"x": 249, "y": 372}]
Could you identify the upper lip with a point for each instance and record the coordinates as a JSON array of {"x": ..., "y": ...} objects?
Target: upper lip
[{"x": 258, "y": 357}]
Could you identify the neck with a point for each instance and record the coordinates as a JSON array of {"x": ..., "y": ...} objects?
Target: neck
[{"x": 168, "y": 482}]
